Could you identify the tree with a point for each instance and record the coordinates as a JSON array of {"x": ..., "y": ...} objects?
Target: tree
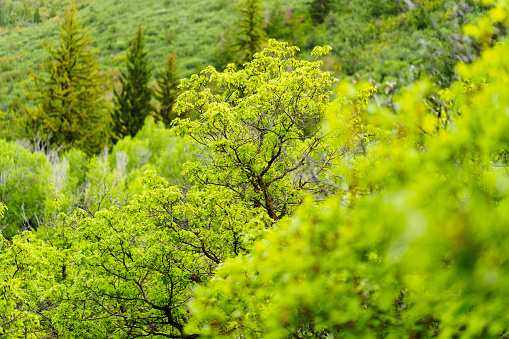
[
  {"x": 250, "y": 34},
  {"x": 72, "y": 111},
  {"x": 167, "y": 91},
  {"x": 133, "y": 101},
  {"x": 130, "y": 271},
  {"x": 279, "y": 23},
  {"x": 253, "y": 128},
  {"x": 37, "y": 16},
  {"x": 318, "y": 9}
]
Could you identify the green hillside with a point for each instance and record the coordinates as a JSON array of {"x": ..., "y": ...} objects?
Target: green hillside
[
  {"x": 370, "y": 39},
  {"x": 192, "y": 29}
]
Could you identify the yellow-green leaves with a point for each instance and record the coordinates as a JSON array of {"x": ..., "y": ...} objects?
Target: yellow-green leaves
[
  {"x": 417, "y": 244},
  {"x": 258, "y": 127},
  {"x": 3, "y": 208}
]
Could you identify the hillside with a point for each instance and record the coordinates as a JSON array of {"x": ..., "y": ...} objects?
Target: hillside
[
  {"x": 192, "y": 29},
  {"x": 370, "y": 39}
]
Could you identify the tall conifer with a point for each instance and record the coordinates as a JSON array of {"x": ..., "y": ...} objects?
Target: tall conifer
[
  {"x": 250, "y": 34},
  {"x": 72, "y": 111},
  {"x": 318, "y": 9},
  {"x": 37, "y": 16},
  {"x": 133, "y": 101},
  {"x": 167, "y": 90}
]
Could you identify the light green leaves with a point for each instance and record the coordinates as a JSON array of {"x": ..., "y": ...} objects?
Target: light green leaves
[{"x": 258, "y": 127}]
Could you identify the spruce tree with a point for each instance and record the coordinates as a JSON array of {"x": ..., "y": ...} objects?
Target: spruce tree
[
  {"x": 133, "y": 101},
  {"x": 167, "y": 91},
  {"x": 250, "y": 34},
  {"x": 318, "y": 9},
  {"x": 71, "y": 109},
  {"x": 37, "y": 16}
]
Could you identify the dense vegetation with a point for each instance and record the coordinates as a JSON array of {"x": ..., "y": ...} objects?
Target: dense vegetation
[
  {"x": 381, "y": 39},
  {"x": 272, "y": 194}
]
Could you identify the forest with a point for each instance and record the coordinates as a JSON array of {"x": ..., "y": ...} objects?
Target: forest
[{"x": 254, "y": 169}]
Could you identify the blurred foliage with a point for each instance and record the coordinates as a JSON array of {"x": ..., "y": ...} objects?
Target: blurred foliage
[{"x": 422, "y": 254}]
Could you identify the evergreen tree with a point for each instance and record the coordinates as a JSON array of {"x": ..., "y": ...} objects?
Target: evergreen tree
[
  {"x": 2, "y": 20},
  {"x": 167, "y": 91},
  {"x": 133, "y": 101},
  {"x": 277, "y": 27},
  {"x": 72, "y": 111},
  {"x": 37, "y": 16},
  {"x": 318, "y": 9},
  {"x": 250, "y": 34}
]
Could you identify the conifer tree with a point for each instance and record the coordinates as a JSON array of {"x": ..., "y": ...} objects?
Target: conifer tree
[
  {"x": 72, "y": 111},
  {"x": 318, "y": 9},
  {"x": 167, "y": 91},
  {"x": 37, "y": 16},
  {"x": 133, "y": 101},
  {"x": 250, "y": 34}
]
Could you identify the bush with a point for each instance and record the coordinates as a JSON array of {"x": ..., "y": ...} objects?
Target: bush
[{"x": 22, "y": 187}]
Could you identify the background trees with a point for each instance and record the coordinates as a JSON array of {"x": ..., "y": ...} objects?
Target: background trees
[
  {"x": 250, "y": 36},
  {"x": 133, "y": 100},
  {"x": 166, "y": 92},
  {"x": 318, "y": 9},
  {"x": 71, "y": 109},
  {"x": 22, "y": 187}
]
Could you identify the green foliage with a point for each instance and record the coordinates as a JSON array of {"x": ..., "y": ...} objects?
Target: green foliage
[
  {"x": 37, "y": 16},
  {"x": 133, "y": 101},
  {"x": 26, "y": 276},
  {"x": 255, "y": 129},
  {"x": 71, "y": 110},
  {"x": 297, "y": 217},
  {"x": 378, "y": 39},
  {"x": 166, "y": 92},
  {"x": 130, "y": 270},
  {"x": 417, "y": 246},
  {"x": 318, "y": 9},
  {"x": 22, "y": 187},
  {"x": 249, "y": 36},
  {"x": 153, "y": 148}
]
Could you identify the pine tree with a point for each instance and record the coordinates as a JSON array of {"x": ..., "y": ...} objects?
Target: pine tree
[
  {"x": 318, "y": 9},
  {"x": 250, "y": 35},
  {"x": 37, "y": 16},
  {"x": 133, "y": 101},
  {"x": 279, "y": 23},
  {"x": 72, "y": 111},
  {"x": 167, "y": 91}
]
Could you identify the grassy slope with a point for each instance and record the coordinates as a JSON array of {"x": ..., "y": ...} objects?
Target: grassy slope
[
  {"x": 191, "y": 28},
  {"x": 364, "y": 43}
]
